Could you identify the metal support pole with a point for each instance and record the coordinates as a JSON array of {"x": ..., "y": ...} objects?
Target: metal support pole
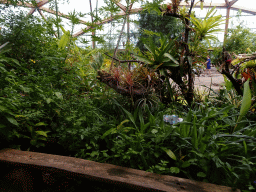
[{"x": 93, "y": 33}]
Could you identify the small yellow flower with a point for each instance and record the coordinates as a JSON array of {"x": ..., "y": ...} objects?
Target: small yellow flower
[{"x": 32, "y": 61}]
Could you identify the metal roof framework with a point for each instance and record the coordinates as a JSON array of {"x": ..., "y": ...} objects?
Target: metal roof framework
[{"x": 39, "y": 6}]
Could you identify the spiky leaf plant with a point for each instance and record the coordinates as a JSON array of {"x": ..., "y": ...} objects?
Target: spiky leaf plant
[
  {"x": 159, "y": 57},
  {"x": 204, "y": 28}
]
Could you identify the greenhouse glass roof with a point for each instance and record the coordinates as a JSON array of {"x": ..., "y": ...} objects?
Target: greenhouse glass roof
[{"x": 46, "y": 8}]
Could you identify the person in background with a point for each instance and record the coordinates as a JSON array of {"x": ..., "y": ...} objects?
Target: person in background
[{"x": 208, "y": 65}]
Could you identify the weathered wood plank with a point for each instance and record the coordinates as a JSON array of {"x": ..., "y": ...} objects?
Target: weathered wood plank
[{"x": 111, "y": 173}]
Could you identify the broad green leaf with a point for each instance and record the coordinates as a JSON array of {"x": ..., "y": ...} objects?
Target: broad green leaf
[
  {"x": 170, "y": 153},
  {"x": 40, "y": 124},
  {"x": 12, "y": 120},
  {"x": 2, "y": 108},
  {"x": 246, "y": 101},
  {"x": 43, "y": 133},
  {"x": 171, "y": 57},
  {"x": 174, "y": 170},
  {"x": 110, "y": 131},
  {"x": 144, "y": 59},
  {"x": 201, "y": 174},
  {"x": 25, "y": 89},
  {"x": 3, "y": 69},
  {"x": 185, "y": 164},
  {"x": 185, "y": 126},
  {"x": 127, "y": 113},
  {"x": 154, "y": 131},
  {"x": 64, "y": 40},
  {"x": 48, "y": 100},
  {"x": 59, "y": 95},
  {"x": 16, "y": 62}
]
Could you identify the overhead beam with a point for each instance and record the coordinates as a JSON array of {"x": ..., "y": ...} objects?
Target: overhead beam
[
  {"x": 132, "y": 11},
  {"x": 32, "y": 10},
  {"x": 40, "y": 4},
  {"x": 243, "y": 9},
  {"x": 60, "y": 14},
  {"x": 232, "y": 2},
  {"x": 98, "y": 23},
  {"x": 121, "y": 6},
  {"x": 122, "y": 13},
  {"x": 136, "y": 10},
  {"x": 206, "y": 5}
]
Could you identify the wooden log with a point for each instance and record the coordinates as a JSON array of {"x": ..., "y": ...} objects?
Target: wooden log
[
  {"x": 107, "y": 78},
  {"x": 126, "y": 178}
]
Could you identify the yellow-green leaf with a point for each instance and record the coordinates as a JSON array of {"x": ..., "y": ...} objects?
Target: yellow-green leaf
[
  {"x": 121, "y": 124},
  {"x": 170, "y": 153},
  {"x": 43, "y": 133},
  {"x": 40, "y": 124},
  {"x": 246, "y": 101}
]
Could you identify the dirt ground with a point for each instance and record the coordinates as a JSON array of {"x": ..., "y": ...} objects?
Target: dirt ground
[{"x": 215, "y": 81}]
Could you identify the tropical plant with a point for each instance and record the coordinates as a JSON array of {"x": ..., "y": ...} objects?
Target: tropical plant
[
  {"x": 151, "y": 25},
  {"x": 159, "y": 57},
  {"x": 239, "y": 39},
  {"x": 204, "y": 28}
]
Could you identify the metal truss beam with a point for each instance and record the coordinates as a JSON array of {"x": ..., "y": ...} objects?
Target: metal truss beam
[{"x": 226, "y": 5}]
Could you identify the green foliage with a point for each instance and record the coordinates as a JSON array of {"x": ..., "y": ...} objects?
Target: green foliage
[
  {"x": 239, "y": 39},
  {"x": 205, "y": 27},
  {"x": 64, "y": 40},
  {"x": 247, "y": 100},
  {"x": 46, "y": 92},
  {"x": 155, "y": 24},
  {"x": 153, "y": 6},
  {"x": 159, "y": 57},
  {"x": 97, "y": 61}
]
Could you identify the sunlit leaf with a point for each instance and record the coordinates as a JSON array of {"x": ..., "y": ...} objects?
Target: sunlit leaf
[
  {"x": 121, "y": 124},
  {"x": 59, "y": 95},
  {"x": 246, "y": 101},
  {"x": 48, "y": 100},
  {"x": 170, "y": 153},
  {"x": 43, "y": 133},
  {"x": 40, "y": 124}
]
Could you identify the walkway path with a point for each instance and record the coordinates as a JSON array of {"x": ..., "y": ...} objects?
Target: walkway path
[{"x": 216, "y": 79}]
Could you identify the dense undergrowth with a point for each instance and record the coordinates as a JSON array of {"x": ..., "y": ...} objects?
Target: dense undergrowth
[{"x": 51, "y": 101}]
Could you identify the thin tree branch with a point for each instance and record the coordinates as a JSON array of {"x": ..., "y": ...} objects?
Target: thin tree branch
[{"x": 123, "y": 61}]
